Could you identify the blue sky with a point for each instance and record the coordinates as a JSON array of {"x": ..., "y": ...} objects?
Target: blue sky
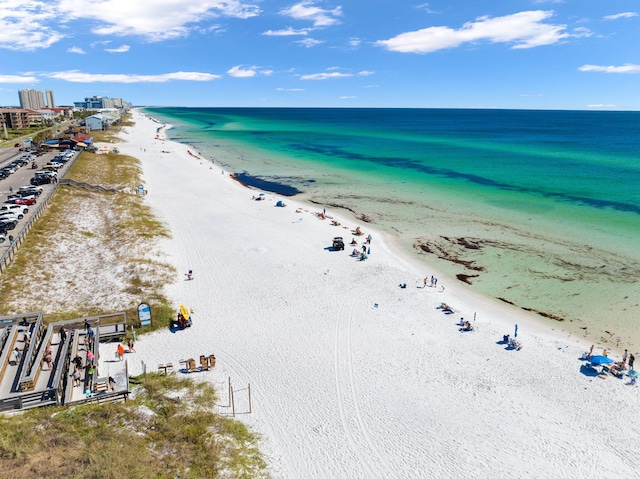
[{"x": 534, "y": 54}]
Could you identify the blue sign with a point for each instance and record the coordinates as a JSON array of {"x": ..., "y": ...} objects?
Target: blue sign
[{"x": 144, "y": 314}]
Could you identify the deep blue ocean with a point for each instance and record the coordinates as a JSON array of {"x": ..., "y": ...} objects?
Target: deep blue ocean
[{"x": 537, "y": 208}]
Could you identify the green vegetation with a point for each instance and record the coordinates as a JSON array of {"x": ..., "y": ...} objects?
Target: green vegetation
[
  {"x": 167, "y": 429},
  {"x": 125, "y": 227}
]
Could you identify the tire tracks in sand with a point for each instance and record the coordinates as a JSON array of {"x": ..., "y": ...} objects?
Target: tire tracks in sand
[{"x": 356, "y": 431}]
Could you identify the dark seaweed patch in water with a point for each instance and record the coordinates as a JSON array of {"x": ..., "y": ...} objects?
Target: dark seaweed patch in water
[
  {"x": 406, "y": 163},
  {"x": 267, "y": 185}
]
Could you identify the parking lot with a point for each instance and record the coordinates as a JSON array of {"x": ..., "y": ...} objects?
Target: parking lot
[{"x": 20, "y": 178}]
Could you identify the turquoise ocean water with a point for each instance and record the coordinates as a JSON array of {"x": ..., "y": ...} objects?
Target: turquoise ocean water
[{"x": 540, "y": 209}]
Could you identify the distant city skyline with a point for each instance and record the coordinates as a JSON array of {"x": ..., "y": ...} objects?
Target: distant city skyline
[
  {"x": 525, "y": 54},
  {"x": 31, "y": 99}
]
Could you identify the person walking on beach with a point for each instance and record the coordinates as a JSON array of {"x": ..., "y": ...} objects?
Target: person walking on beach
[
  {"x": 632, "y": 359},
  {"x": 624, "y": 357},
  {"x": 424, "y": 283},
  {"x": 130, "y": 346},
  {"x": 120, "y": 352}
]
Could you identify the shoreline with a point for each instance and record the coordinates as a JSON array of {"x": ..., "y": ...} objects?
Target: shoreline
[
  {"x": 552, "y": 275},
  {"x": 544, "y": 319},
  {"x": 351, "y": 375}
]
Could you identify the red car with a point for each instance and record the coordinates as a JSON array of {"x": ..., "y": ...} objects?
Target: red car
[{"x": 24, "y": 201}]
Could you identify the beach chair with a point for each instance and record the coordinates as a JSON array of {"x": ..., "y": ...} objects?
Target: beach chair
[
  {"x": 168, "y": 368},
  {"x": 212, "y": 361},
  {"x": 204, "y": 363},
  {"x": 191, "y": 365},
  {"x": 100, "y": 385}
]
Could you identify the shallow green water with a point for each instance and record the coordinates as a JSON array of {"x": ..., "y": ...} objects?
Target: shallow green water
[{"x": 540, "y": 209}]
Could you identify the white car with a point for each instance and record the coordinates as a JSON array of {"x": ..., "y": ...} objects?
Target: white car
[
  {"x": 14, "y": 208},
  {"x": 11, "y": 215},
  {"x": 46, "y": 173}
]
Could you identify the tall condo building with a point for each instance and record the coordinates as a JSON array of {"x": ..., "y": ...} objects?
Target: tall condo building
[
  {"x": 51, "y": 101},
  {"x": 31, "y": 99}
]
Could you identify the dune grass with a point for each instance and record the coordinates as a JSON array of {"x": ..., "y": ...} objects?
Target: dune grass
[
  {"x": 167, "y": 429},
  {"x": 80, "y": 224}
]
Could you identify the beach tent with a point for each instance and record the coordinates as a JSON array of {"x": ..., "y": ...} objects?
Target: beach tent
[{"x": 280, "y": 203}]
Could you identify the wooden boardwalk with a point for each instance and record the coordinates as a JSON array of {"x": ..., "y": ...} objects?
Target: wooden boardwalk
[{"x": 42, "y": 373}]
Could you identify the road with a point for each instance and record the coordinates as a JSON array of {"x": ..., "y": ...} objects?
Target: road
[{"x": 22, "y": 177}]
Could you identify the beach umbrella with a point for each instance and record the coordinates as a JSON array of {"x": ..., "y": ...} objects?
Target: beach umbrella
[
  {"x": 600, "y": 360},
  {"x": 633, "y": 373}
]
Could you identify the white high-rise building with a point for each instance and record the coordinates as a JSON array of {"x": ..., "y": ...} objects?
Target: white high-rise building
[
  {"x": 31, "y": 99},
  {"x": 51, "y": 101}
]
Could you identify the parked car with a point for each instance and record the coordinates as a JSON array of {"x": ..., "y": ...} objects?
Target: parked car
[
  {"x": 40, "y": 180},
  {"x": 27, "y": 200},
  {"x": 30, "y": 190},
  {"x": 7, "y": 224},
  {"x": 11, "y": 215},
  {"x": 55, "y": 166},
  {"x": 14, "y": 208},
  {"x": 24, "y": 194}
]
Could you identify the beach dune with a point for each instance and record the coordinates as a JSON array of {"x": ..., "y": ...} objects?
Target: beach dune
[{"x": 350, "y": 374}]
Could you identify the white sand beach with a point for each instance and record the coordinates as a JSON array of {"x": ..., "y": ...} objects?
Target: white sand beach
[{"x": 351, "y": 375}]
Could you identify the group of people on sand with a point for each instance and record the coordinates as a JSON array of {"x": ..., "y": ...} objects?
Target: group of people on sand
[
  {"x": 465, "y": 325},
  {"x": 431, "y": 282}
]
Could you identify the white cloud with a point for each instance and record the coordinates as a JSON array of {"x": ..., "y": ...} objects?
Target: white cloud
[
  {"x": 240, "y": 72},
  {"x": 621, "y": 15},
  {"x": 628, "y": 68},
  {"x": 18, "y": 79},
  {"x": 290, "y": 89},
  {"x": 366, "y": 73},
  {"x": 23, "y": 25},
  {"x": 602, "y": 105},
  {"x": 346, "y": 97},
  {"x": 524, "y": 30},
  {"x": 160, "y": 20},
  {"x": 325, "y": 76},
  {"x": 309, "y": 42},
  {"x": 76, "y": 76},
  {"x": 286, "y": 32},
  {"x": 77, "y": 50},
  {"x": 530, "y": 94},
  {"x": 120, "y": 49},
  {"x": 307, "y": 10},
  {"x": 425, "y": 7},
  {"x": 355, "y": 42}
]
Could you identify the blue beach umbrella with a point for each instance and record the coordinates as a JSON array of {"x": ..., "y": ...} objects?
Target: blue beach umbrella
[
  {"x": 633, "y": 373},
  {"x": 600, "y": 360}
]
